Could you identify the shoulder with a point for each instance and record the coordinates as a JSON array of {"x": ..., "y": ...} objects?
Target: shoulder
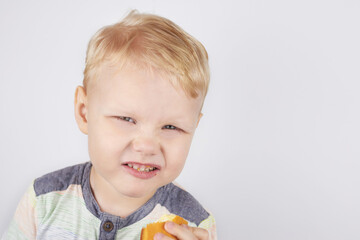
[
  {"x": 182, "y": 203},
  {"x": 61, "y": 179}
]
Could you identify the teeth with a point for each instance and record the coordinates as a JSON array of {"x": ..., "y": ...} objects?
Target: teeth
[
  {"x": 141, "y": 168},
  {"x": 135, "y": 166}
]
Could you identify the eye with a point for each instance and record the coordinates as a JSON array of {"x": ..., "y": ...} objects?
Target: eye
[
  {"x": 171, "y": 127},
  {"x": 127, "y": 119}
]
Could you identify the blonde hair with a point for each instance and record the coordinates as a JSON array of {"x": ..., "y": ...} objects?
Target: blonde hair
[{"x": 151, "y": 41}]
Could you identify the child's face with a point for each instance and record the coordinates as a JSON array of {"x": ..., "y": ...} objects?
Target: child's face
[{"x": 131, "y": 115}]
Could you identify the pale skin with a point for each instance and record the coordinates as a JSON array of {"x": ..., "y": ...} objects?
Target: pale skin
[
  {"x": 183, "y": 232},
  {"x": 136, "y": 115}
]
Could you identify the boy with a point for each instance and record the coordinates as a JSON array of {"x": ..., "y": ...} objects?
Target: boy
[{"x": 144, "y": 85}]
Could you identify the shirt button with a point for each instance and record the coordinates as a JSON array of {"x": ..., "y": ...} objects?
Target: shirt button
[{"x": 108, "y": 226}]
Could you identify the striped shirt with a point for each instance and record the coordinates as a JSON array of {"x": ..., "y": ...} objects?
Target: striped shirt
[{"x": 60, "y": 205}]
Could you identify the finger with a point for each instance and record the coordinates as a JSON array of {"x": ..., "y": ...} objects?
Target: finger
[
  {"x": 200, "y": 233},
  {"x": 160, "y": 236},
  {"x": 179, "y": 231}
]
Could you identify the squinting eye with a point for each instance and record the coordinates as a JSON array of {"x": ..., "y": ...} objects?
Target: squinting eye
[
  {"x": 127, "y": 119},
  {"x": 171, "y": 127}
]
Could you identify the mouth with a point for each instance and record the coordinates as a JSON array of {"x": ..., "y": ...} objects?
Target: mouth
[
  {"x": 141, "y": 171},
  {"x": 142, "y": 167}
]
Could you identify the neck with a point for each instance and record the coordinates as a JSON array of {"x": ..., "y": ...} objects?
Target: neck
[{"x": 110, "y": 200}]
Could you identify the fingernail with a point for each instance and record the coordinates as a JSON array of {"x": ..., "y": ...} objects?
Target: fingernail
[
  {"x": 185, "y": 226},
  {"x": 170, "y": 225},
  {"x": 159, "y": 236}
]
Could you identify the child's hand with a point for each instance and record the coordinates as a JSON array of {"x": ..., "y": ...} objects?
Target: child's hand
[{"x": 183, "y": 232}]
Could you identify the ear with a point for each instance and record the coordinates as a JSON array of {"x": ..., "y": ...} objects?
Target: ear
[
  {"x": 200, "y": 115},
  {"x": 80, "y": 104}
]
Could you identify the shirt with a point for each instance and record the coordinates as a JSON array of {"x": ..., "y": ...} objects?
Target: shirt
[{"x": 61, "y": 205}]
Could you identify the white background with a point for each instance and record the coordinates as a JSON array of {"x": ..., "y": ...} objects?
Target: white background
[{"x": 276, "y": 155}]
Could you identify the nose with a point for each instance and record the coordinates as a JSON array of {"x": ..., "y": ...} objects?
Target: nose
[{"x": 145, "y": 145}]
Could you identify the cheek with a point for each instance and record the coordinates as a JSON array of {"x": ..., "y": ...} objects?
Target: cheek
[
  {"x": 176, "y": 153},
  {"x": 105, "y": 143}
]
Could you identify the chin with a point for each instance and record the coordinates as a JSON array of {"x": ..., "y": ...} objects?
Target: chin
[{"x": 137, "y": 193}]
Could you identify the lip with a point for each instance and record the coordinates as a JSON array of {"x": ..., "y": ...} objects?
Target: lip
[{"x": 141, "y": 175}]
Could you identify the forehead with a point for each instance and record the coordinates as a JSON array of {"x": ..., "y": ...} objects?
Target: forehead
[{"x": 141, "y": 89}]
